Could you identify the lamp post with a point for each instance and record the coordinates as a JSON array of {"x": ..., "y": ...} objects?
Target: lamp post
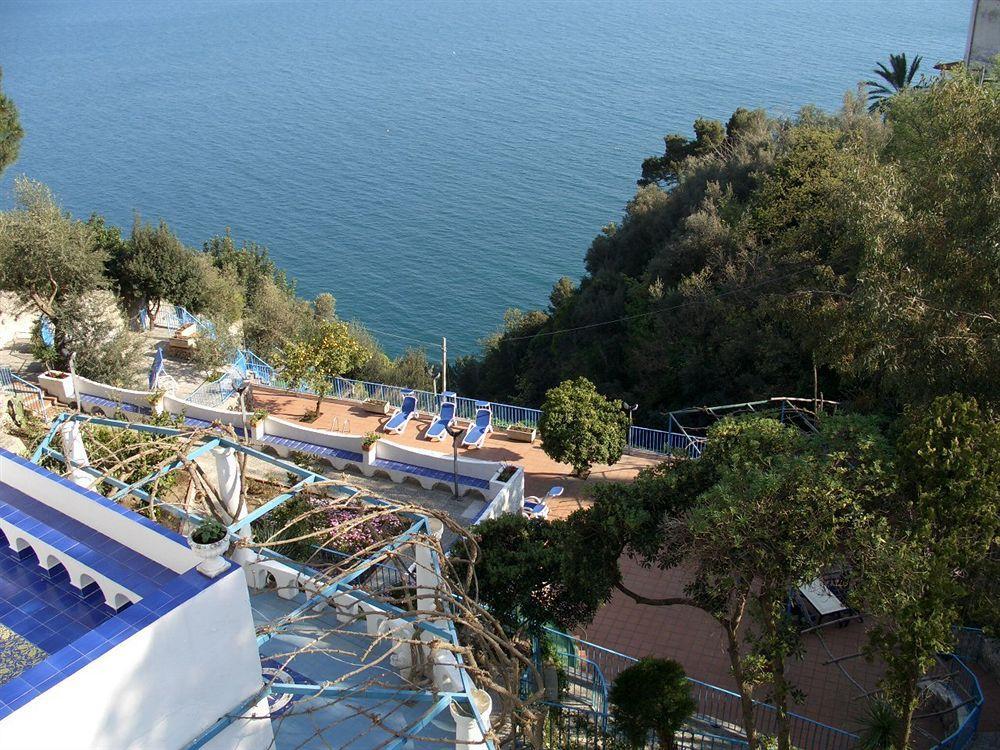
[
  {"x": 455, "y": 433},
  {"x": 630, "y": 408},
  {"x": 240, "y": 386}
]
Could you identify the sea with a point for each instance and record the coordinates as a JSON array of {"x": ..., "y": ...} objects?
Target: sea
[{"x": 431, "y": 163}]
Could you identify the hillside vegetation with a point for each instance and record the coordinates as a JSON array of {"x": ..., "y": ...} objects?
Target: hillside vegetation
[{"x": 856, "y": 252}]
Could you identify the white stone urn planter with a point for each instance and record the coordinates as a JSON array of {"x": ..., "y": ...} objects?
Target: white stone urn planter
[
  {"x": 467, "y": 731},
  {"x": 57, "y": 384},
  {"x": 212, "y": 562}
]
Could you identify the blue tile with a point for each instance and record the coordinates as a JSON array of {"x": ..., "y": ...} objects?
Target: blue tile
[
  {"x": 14, "y": 689},
  {"x": 18, "y": 702}
]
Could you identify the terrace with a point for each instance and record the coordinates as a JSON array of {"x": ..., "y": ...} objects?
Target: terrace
[
  {"x": 358, "y": 648},
  {"x": 833, "y": 679},
  {"x": 540, "y": 472}
]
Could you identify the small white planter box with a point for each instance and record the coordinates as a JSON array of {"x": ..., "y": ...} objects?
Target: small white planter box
[
  {"x": 57, "y": 384},
  {"x": 522, "y": 434},
  {"x": 375, "y": 406}
]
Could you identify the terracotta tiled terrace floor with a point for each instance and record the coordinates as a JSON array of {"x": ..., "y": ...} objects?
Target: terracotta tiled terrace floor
[
  {"x": 540, "y": 471},
  {"x": 682, "y": 633}
]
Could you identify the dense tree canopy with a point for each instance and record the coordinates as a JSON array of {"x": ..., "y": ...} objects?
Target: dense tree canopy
[
  {"x": 46, "y": 256},
  {"x": 857, "y": 249},
  {"x": 651, "y": 696},
  {"x": 580, "y": 427}
]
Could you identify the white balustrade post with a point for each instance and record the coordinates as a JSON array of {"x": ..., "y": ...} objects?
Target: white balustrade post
[
  {"x": 428, "y": 580},
  {"x": 75, "y": 453}
]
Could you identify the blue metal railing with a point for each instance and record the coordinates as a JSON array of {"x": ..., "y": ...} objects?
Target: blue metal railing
[
  {"x": 213, "y": 393},
  {"x": 175, "y": 316},
  {"x": 587, "y": 675},
  {"x": 720, "y": 707},
  {"x": 967, "y": 690},
  {"x": 580, "y": 729},
  {"x": 645, "y": 439},
  {"x": 250, "y": 365},
  {"x": 30, "y": 394},
  {"x": 664, "y": 441}
]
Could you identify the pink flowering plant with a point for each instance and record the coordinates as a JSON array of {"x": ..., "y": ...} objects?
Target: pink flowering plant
[{"x": 312, "y": 522}]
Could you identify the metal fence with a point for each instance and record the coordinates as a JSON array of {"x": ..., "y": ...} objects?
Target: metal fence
[
  {"x": 213, "y": 393},
  {"x": 968, "y": 696},
  {"x": 579, "y": 729},
  {"x": 717, "y": 707},
  {"x": 29, "y": 394},
  {"x": 504, "y": 415},
  {"x": 252, "y": 366},
  {"x": 175, "y": 316},
  {"x": 964, "y": 687},
  {"x": 664, "y": 442}
]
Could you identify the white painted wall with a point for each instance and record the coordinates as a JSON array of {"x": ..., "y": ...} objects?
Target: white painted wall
[
  {"x": 470, "y": 467},
  {"x": 180, "y": 406},
  {"x": 292, "y": 431},
  {"x": 159, "y": 689},
  {"x": 122, "y": 528},
  {"x": 88, "y": 387},
  {"x": 509, "y": 497}
]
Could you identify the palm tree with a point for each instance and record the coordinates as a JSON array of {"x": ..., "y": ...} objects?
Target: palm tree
[{"x": 895, "y": 78}]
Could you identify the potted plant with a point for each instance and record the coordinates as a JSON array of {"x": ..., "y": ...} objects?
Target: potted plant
[
  {"x": 57, "y": 383},
  {"x": 209, "y": 540},
  {"x": 376, "y": 406},
  {"x": 156, "y": 400},
  {"x": 521, "y": 432},
  {"x": 256, "y": 421},
  {"x": 369, "y": 440}
]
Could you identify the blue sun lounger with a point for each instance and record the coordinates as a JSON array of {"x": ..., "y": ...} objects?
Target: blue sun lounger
[
  {"x": 535, "y": 507},
  {"x": 479, "y": 429},
  {"x": 439, "y": 428},
  {"x": 401, "y": 417}
]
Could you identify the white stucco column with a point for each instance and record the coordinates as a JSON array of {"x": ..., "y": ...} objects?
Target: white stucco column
[
  {"x": 427, "y": 577},
  {"x": 75, "y": 453},
  {"x": 230, "y": 484},
  {"x": 227, "y": 469}
]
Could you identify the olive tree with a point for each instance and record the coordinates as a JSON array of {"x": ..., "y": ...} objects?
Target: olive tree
[
  {"x": 925, "y": 549},
  {"x": 580, "y": 427},
  {"x": 46, "y": 256},
  {"x": 764, "y": 509}
]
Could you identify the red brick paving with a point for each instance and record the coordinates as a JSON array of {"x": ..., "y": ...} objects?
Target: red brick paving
[{"x": 683, "y": 633}]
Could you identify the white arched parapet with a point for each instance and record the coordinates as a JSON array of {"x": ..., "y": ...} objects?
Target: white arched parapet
[
  {"x": 286, "y": 579},
  {"x": 347, "y": 608},
  {"x": 80, "y": 575}
]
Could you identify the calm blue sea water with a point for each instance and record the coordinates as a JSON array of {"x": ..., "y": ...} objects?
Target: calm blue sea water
[{"x": 429, "y": 163}]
